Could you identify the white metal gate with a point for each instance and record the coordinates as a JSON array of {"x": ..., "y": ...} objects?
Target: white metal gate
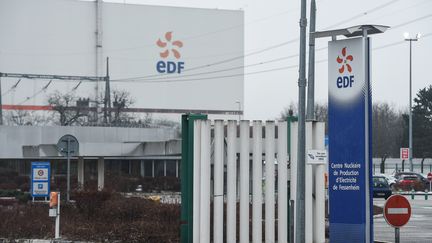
[{"x": 231, "y": 172}]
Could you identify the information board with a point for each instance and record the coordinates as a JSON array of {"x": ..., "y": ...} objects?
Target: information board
[
  {"x": 350, "y": 141},
  {"x": 40, "y": 179}
]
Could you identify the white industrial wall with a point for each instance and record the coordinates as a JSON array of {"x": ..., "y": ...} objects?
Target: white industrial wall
[
  {"x": 109, "y": 139},
  {"x": 58, "y": 37}
]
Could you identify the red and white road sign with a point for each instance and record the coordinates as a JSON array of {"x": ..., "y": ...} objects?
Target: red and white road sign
[
  {"x": 404, "y": 153},
  {"x": 397, "y": 211},
  {"x": 429, "y": 176}
]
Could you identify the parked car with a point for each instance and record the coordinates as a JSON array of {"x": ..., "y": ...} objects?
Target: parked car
[
  {"x": 391, "y": 180},
  {"x": 407, "y": 181},
  {"x": 381, "y": 188}
]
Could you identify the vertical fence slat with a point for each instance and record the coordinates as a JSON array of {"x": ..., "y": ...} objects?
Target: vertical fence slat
[
  {"x": 231, "y": 182},
  {"x": 282, "y": 183},
  {"x": 244, "y": 182},
  {"x": 293, "y": 172},
  {"x": 218, "y": 182},
  {"x": 269, "y": 182},
  {"x": 205, "y": 183},
  {"x": 257, "y": 183},
  {"x": 309, "y": 225},
  {"x": 319, "y": 212},
  {"x": 196, "y": 180}
]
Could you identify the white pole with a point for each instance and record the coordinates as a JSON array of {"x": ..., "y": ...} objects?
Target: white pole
[
  {"x": 57, "y": 222},
  {"x": 244, "y": 181},
  {"x": 309, "y": 188},
  {"x": 282, "y": 183},
  {"x": 293, "y": 170},
  {"x": 218, "y": 182},
  {"x": 269, "y": 182},
  {"x": 319, "y": 217},
  {"x": 196, "y": 181},
  {"x": 205, "y": 183},
  {"x": 231, "y": 182},
  {"x": 319, "y": 227},
  {"x": 257, "y": 183}
]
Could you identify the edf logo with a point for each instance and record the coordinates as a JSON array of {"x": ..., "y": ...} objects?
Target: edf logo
[
  {"x": 345, "y": 81},
  {"x": 169, "y": 47}
]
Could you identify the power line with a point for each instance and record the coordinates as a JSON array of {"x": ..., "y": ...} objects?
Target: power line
[
  {"x": 12, "y": 88},
  {"x": 224, "y": 76},
  {"x": 399, "y": 10},
  {"x": 36, "y": 94},
  {"x": 152, "y": 44},
  {"x": 218, "y": 62},
  {"x": 176, "y": 80},
  {"x": 362, "y": 14},
  {"x": 228, "y": 69},
  {"x": 268, "y": 48}
]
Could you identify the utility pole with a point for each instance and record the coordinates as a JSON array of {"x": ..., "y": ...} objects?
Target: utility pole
[
  {"x": 310, "y": 114},
  {"x": 99, "y": 54},
  {"x": 301, "y": 166},
  {"x": 107, "y": 99}
]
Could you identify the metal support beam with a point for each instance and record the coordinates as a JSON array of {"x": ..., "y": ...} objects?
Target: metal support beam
[
  {"x": 52, "y": 76},
  {"x": 310, "y": 115},
  {"x": 107, "y": 100},
  {"x": 300, "y": 202}
]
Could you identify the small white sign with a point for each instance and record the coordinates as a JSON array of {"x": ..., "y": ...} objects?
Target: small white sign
[
  {"x": 52, "y": 212},
  {"x": 316, "y": 156},
  {"x": 404, "y": 153},
  {"x": 40, "y": 174},
  {"x": 40, "y": 188}
]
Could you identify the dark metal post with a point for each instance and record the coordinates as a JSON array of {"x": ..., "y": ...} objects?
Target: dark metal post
[
  {"x": 186, "y": 177},
  {"x": 310, "y": 114},
  {"x": 301, "y": 166},
  {"x": 68, "y": 170},
  {"x": 422, "y": 162},
  {"x": 107, "y": 100},
  {"x": 397, "y": 235},
  {"x": 410, "y": 109}
]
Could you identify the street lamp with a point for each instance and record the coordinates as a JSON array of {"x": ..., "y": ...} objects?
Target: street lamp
[{"x": 408, "y": 38}]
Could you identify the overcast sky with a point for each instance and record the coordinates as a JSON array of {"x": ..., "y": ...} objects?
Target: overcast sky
[
  {"x": 269, "y": 23},
  {"x": 272, "y": 22}
]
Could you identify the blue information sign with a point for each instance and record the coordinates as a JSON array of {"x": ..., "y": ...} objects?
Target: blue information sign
[
  {"x": 40, "y": 179},
  {"x": 350, "y": 157}
]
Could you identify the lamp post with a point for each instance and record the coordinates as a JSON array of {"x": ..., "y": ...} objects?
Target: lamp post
[{"x": 408, "y": 38}]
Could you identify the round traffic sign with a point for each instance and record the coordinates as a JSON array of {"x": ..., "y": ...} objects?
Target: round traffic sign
[
  {"x": 429, "y": 176},
  {"x": 397, "y": 211},
  {"x": 40, "y": 172}
]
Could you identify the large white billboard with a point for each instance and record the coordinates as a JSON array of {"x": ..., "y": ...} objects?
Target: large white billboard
[{"x": 166, "y": 57}]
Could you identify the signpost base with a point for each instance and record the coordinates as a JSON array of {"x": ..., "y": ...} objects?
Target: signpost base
[{"x": 397, "y": 235}]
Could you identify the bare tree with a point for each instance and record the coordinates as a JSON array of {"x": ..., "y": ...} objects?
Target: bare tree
[
  {"x": 121, "y": 101},
  {"x": 65, "y": 106},
  {"x": 387, "y": 129},
  {"x": 25, "y": 118}
]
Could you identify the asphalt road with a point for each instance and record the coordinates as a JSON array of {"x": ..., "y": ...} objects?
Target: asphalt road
[{"x": 417, "y": 230}]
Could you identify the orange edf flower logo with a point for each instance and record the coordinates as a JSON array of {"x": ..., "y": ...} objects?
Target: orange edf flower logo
[
  {"x": 169, "y": 46},
  {"x": 344, "y": 61}
]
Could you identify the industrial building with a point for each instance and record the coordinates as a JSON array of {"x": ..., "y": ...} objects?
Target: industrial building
[{"x": 143, "y": 152}]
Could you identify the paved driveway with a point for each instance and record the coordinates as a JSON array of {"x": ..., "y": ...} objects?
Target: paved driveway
[{"x": 418, "y": 229}]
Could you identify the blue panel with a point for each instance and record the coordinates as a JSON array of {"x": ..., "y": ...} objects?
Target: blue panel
[
  {"x": 348, "y": 168},
  {"x": 40, "y": 184}
]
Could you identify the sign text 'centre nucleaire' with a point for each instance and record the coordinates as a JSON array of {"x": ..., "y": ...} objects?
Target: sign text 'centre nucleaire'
[{"x": 349, "y": 141}]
